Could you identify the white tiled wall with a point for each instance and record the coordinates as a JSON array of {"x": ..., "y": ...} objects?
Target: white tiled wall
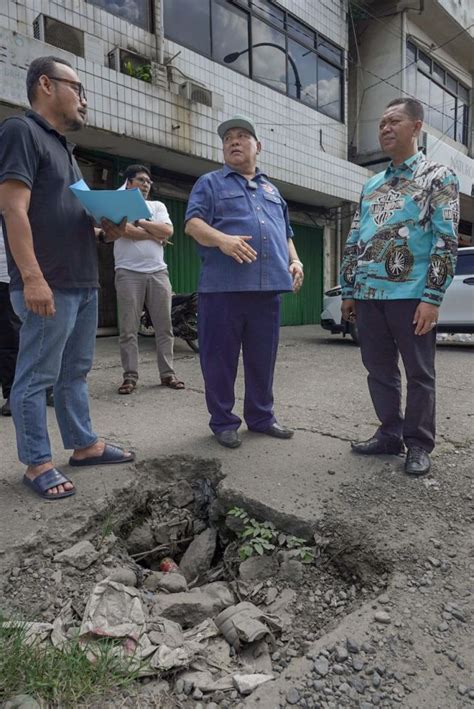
[{"x": 301, "y": 146}]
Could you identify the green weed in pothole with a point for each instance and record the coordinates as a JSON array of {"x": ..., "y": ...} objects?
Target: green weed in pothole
[{"x": 62, "y": 678}]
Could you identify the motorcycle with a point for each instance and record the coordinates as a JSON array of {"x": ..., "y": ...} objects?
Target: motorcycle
[{"x": 183, "y": 319}]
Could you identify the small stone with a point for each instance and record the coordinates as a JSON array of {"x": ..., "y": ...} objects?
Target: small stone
[
  {"x": 338, "y": 669},
  {"x": 123, "y": 575},
  {"x": 321, "y": 666},
  {"x": 341, "y": 653},
  {"x": 247, "y": 683},
  {"x": 197, "y": 694},
  {"x": 382, "y": 617},
  {"x": 443, "y": 627},
  {"x": 352, "y": 646},
  {"x": 188, "y": 687},
  {"x": 460, "y": 663},
  {"x": 292, "y": 696},
  {"x": 434, "y": 562},
  {"x": 358, "y": 664},
  {"x": 258, "y": 568},
  {"x": 376, "y": 680},
  {"x": 462, "y": 689},
  {"x": 179, "y": 686},
  {"x": 360, "y": 685}
]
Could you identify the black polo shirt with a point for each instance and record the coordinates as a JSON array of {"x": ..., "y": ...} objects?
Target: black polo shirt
[{"x": 34, "y": 153}]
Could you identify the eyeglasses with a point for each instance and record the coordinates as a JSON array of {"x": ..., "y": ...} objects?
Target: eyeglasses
[
  {"x": 76, "y": 85},
  {"x": 142, "y": 181}
]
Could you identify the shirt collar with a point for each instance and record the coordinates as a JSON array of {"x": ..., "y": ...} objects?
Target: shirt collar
[
  {"x": 48, "y": 127},
  {"x": 229, "y": 171},
  {"x": 409, "y": 164}
]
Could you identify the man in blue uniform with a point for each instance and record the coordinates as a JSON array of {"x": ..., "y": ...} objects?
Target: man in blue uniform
[
  {"x": 398, "y": 261},
  {"x": 240, "y": 222}
]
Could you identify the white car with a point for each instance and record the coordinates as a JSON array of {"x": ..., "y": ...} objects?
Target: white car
[{"x": 455, "y": 315}]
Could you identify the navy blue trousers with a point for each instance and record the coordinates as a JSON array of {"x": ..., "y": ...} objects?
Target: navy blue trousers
[
  {"x": 386, "y": 331},
  {"x": 228, "y": 323}
]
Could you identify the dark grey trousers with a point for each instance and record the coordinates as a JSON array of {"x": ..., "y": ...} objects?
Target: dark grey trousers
[{"x": 386, "y": 331}]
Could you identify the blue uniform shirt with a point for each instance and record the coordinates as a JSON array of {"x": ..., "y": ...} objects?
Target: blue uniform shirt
[
  {"x": 229, "y": 202},
  {"x": 403, "y": 240}
]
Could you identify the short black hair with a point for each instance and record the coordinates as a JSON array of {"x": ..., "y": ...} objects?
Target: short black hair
[
  {"x": 38, "y": 67},
  {"x": 412, "y": 106},
  {"x": 133, "y": 170}
]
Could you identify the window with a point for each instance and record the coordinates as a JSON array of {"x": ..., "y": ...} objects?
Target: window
[
  {"x": 189, "y": 22},
  {"x": 445, "y": 99},
  {"x": 465, "y": 264},
  {"x": 228, "y": 21},
  {"x": 138, "y": 12},
  {"x": 268, "y": 55},
  {"x": 261, "y": 40}
]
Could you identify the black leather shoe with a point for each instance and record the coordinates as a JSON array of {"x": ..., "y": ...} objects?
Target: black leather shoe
[
  {"x": 6, "y": 410},
  {"x": 417, "y": 462},
  {"x": 277, "y": 431},
  {"x": 378, "y": 446},
  {"x": 229, "y": 438}
]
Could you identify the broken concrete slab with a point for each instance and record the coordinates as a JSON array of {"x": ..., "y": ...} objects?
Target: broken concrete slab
[
  {"x": 80, "y": 555},
  {"x": 196, "y": 605},
  {"x": 197, "y": 558}
]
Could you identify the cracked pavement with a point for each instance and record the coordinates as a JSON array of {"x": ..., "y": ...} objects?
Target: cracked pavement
[{"x": 320, "y": 391}]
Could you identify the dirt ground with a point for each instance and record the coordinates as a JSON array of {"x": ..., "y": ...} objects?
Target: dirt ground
[{"x": 385, "y": 616}]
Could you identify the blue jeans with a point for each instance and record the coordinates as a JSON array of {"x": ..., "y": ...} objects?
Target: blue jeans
[{"x": 54, "y": 351}]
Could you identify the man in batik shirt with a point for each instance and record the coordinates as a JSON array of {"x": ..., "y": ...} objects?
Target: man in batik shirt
[{"x": 398, "y": 261}]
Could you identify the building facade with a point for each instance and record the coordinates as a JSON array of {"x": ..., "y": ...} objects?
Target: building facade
[
  {"x": 423, "y": 49},
  {"x": 160, "y": 75}
]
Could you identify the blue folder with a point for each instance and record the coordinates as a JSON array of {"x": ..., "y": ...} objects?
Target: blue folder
[{"x": 114, "y": 205}]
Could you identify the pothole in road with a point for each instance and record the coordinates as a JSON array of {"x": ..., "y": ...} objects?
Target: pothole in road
[{"x": 202, "y": 593}]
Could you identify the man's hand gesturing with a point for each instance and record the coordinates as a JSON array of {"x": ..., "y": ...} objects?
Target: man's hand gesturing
[{"x": 238, "y": 248}]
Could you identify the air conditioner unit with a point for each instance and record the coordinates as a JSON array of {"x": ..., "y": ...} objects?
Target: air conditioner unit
[
  {"x": 119, "y": 59},
  {"x": 59, "y": 35},
  {"x": 196, "y": 93}
]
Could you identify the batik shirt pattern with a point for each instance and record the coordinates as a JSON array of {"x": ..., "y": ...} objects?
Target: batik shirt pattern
[{"x": 403, "y": 239}]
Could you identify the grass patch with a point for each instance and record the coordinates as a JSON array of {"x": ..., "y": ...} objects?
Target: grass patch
[{"x": 62, "y": 678}]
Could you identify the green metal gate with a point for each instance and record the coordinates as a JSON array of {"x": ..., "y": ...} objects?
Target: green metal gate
[
  {"x": 301, "y": 309},
  {"x": 305, "y": 307}
]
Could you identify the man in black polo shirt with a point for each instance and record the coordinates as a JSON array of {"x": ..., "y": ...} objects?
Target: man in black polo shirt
[{"x": 51, "y": 249}]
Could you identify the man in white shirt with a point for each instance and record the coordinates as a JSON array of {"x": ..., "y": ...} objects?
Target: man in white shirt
[{"x": 141, "y": 276}]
